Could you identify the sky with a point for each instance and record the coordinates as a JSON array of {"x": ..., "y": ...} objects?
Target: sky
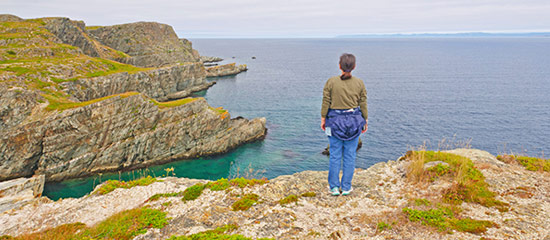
[{"x": 299, "y": 18}]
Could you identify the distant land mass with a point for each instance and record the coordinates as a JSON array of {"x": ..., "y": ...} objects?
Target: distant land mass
[{"x": 447, "y": 35}]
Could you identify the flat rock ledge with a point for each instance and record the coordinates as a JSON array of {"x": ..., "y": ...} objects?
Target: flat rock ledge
[
  {"x": 225, "y": 70},
  {"x": 380, "y": 192}
]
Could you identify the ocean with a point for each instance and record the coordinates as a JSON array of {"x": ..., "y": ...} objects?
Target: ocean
[{"x": 490, "y": 93}]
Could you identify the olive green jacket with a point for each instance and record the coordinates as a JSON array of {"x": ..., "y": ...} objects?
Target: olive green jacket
[{"x": 344, "y": 94}]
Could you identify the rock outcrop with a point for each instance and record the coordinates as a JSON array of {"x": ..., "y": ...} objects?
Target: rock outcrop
[
  {"x": 149, "y": 44},
  {"x": 379, "y": 196},
  {"x": 225, "y": 70},
  {"x": 206, "y": 59},
  {"x": 74, "y": 33},
  {"x": 118, "y": 133},
  {"x": 9, "y": 18},
  {"x": 18, "y": 192}
]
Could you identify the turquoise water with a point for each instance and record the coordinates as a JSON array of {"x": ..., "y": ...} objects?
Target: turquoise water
[{"x": 492, "y": 91}]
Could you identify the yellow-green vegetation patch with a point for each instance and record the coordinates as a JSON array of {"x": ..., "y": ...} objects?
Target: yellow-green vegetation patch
[
  {"x": 444, "y": 219},
  {"x": 218, "y": 185},
  {"x": 193, "y": 192},
  {"x": 115, "y": 67},
  {"x": 111, "y": 185},
  {"x": 220, "y": 233},
  {"x": 243, "y": 182},
  {"x": 468, "y": 182},
  {"x": 121, "y": 226},
  {"x": 382, "y": 226},
  {"x": 288, "y": 199},
  {"x": 245, "y": 202},
  {"x": 159, "y": 195},
  {"x": 530, "y": 163},
  {"x": 422, "y": 202},
  {"x": 309, "y": 194},
  {"x": 174, "y": 103},
  {"x": 60, "y": 103}
]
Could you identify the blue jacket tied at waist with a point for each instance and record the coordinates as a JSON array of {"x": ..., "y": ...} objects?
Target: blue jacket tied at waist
[{"x": 345, "y": 124}]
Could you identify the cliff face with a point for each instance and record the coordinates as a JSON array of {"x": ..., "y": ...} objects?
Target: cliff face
[
  {"x": 120, "y": 133},
  {"x": 74, "y": 33},
  {"x": 374, "y": 210},
  {"x": 67, "y": 109},
  {"x": 149, "y": 44}
]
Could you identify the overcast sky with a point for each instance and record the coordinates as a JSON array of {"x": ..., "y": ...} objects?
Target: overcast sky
[{"x": 299, "y": 18}]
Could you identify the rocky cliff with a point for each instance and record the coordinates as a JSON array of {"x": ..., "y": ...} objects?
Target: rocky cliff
[
  {"x": 68, "y": 108},
  {"x": 121, "y": 132},
  {"x": 149, "y": 44},
  {"x": 386, "y": 203}
]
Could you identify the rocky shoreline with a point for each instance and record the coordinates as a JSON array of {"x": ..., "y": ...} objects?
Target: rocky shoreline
[{"x": 380, "y": 194}]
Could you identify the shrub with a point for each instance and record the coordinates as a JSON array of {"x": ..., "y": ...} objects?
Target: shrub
[
  {"x": 245, "y": 202},
  {"x": 111, "y": 185},
  {"x": 193, "y": 192}
]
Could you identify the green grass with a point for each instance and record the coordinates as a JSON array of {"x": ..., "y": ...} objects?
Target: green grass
[
  {"x": 468, "y": 182},
  {"x": 115, "y": 67},
  {"x": 111, "y": 185},
  {"x": 174, "y": 103},
  {"x": 159, "y": 195},
  {"x": 220, "y": 233},
  {"x": 243, "y": 182},
  {"x": 245, "y": 202},
  {"x": 443, "y": 219},
  {"x": 288, "y": 199},
  {"x": 121, "y": 226},
  {"x": 61, "y": 103},
  {"x": 530, "y": 163}
]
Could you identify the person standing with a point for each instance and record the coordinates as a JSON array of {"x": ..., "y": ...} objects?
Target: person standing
[{"x": 344, "y": 116}]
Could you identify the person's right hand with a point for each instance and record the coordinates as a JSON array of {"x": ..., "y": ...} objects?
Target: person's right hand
[
  {"x": 323, "y": 123},
  {"x": 366, "y": 127}
]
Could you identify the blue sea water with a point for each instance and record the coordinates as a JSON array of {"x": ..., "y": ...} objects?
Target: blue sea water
[{"x": 489, "y": 91}]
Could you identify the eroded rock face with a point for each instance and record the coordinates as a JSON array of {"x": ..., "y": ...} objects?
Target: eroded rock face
[
  {"x": 160, "y": 83},
  {"x": 120, "y": 133},
  {"x": 149, "y": 44},
  {"x": 225, "y": 70}
]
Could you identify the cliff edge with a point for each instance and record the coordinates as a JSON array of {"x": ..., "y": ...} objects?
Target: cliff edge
[{"x": 386, "y": 203}]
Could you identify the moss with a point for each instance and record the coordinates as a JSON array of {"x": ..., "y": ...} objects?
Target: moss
[
  {"x": 61, "y": 104},
  {"x": 174, "y": 103},
  {"x": 115, "y": 67},
  {"x": 243, "y": 182},
  {"x": 245, "y": 202},
  {"x": 443, "y": 218},
  {"x": 193, "y": 192},
  {"x": 111, "y": 185},
  {"x": 288, "y": 199},
  {"x": 381, "y": 226},
  {"x": 122, "y": 226},
  {"x": 309, "y": 194}
]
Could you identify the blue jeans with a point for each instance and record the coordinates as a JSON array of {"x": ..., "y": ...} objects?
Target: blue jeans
[{"x": 341, "y": 149}]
